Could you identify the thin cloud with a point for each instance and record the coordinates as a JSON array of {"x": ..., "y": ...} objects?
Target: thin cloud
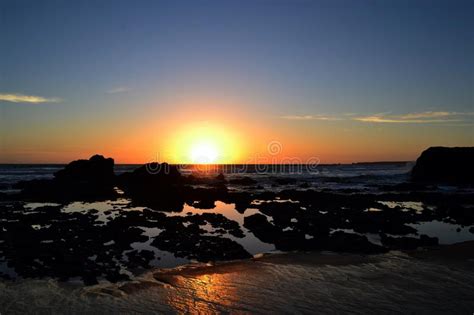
[
  {"x": 120, "y": 89},
  {"x": 429, "y": 117},
  {"x": 378, "y": 119},
  {"x": 414, "y": 118},
  {"x": 21, "y": 98},
  {"x": 310, "y": 117}
]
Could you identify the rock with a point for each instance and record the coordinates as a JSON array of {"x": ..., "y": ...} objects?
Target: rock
[
  {"x": 158, "y": 186},
  {"x": 204, "y": 204},
  {"x": 203, "y": 248},
  {"x": 220, "y": 177},
  {"x": 205, "y": 197},
  {"x": 242, "y": 200},
  {"x": 445, "y": 165},
  {"x": 97, "y": 170},
  {"x": 459, "y": 214},
  {"x": 352, "y": 243},
  {"x": 91, "y": 179},
  {"x": 261, "y": 228},
  {"x": 140, "y": 258},
  {"x": 218, "y": 221}
]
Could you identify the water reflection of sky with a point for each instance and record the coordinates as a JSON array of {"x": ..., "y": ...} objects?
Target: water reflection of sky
[
  {"x": 446, "y": 232},
  {"x": 109, "y": 209},
  {"x": 252, "y": 244}
]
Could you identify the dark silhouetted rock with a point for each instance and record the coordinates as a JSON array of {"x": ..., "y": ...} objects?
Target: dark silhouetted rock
[
  {"x": 204, "y": 204},
  {"x": 159, "y": 186},
  {"x": 79, "y": 180},
  {"x": 188, "y": 243},
  {"x": 445, "y": 165},
  {"x": 353, "y": 243},
  {"x": 140, "y": 258},
  {"x": 97, "y": 169}
]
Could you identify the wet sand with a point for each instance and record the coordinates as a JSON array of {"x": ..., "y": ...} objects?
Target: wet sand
[{"x": 287, "y": 283}]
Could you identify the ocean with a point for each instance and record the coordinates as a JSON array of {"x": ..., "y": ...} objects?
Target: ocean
[{"x": 338, "y": 176}]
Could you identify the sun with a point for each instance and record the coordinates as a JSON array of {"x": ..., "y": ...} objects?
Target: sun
[
  {"x": 204, "y": 152},
  {"x": 204, "y": 143}
]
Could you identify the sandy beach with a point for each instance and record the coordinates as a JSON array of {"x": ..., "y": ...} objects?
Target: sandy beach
[{"x": 285, "y": 283}]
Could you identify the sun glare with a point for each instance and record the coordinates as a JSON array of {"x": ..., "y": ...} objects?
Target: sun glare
[
  {"x": 204, "y": 152},
  {"x": 204, "y": 144}
]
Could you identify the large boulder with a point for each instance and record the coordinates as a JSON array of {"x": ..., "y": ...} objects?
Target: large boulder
[
  {"x": 91, "y": 179},
  {"x": 159, "y": 186},
  {"x": 97, "y": 170},
  {"x": 445, "y": 165}
]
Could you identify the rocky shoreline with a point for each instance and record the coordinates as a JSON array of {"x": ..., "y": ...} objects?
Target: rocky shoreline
[{"x": 47, "y": 241}]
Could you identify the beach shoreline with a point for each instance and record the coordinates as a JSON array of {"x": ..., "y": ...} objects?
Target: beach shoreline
[{"x": 335, "y": 283}]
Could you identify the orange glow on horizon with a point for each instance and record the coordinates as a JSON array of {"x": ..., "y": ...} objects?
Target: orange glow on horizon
[{"x": 203, "y": 143}]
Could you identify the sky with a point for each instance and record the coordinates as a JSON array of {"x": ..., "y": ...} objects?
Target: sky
[{"x": 234, "y": 81}]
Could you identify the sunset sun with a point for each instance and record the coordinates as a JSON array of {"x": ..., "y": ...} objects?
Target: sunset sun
[
  {"x": 204, "y": 143},
  {"x": 204, "y": 152}
]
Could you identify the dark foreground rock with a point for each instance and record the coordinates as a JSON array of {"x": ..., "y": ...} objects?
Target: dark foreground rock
[
  {"x": 314, "y": 238},
  {"x": 80, "y": 180},
  {"x": 155, "y": 185},
  {"x": 445, "y": 165},
  {"x": 48, "y": 242}
]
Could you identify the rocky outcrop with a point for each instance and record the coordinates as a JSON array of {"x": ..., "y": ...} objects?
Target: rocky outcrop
[
  {"x": 445, "y": 165},
  {"x": 159, "y": 186},
  {"x": 97, "y": 169},
  {"x": 79, "y": 180}
]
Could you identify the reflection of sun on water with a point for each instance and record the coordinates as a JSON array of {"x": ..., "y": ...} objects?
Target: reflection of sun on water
[{"x": 208, "y": 293}]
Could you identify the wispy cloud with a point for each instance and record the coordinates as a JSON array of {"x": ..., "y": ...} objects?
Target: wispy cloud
[
  {"x": 119, "y": 89},
  {"x": 415, "y": 118},
  {"x": 310, "y": 117},
  {"x": 21, "y": 98},
  {"x": 427, "y": 117}
]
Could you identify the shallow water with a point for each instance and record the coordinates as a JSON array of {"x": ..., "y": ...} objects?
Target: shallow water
[{"x": 447, "y": 233}]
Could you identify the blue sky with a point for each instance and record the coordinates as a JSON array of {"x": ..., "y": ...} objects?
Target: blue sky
[{"x": 287, "y": 62}]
